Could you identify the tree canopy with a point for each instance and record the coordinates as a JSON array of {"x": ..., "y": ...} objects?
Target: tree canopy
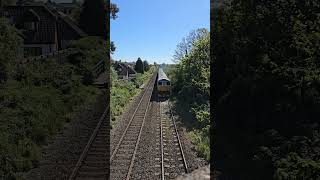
[
  {"x": 9, "y": 46},
  {"x": 185, "y": 46},
  {"x": 266, "y": 57},
  {"x": 93, "y": 18},
  {"x": 146, "y": 65},
  {"x": 139, "y": 66},
  {"x": 113, "y": 10},
  {"x": 191, "y": 86}
]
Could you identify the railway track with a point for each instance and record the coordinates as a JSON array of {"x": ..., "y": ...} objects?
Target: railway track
[
  {"x": 173, "y": 162},
  {"x": 123, "y": 156},
  {"x": 93, "y": 162}
]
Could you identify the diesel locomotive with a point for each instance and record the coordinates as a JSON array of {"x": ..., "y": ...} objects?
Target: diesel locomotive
[{"x": 163, "y": 84}]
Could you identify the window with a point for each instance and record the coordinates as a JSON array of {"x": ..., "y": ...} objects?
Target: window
[
  {"x": 168, "y": 83},
  {"x": 159, "y": 83},
  {"x": 30, "y": 26}
]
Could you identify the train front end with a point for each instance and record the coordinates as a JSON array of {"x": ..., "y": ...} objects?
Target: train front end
[{"x": 163, "y": 84}]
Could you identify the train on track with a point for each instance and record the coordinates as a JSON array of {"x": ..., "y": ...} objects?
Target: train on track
[{"x": 163, "y": 84}]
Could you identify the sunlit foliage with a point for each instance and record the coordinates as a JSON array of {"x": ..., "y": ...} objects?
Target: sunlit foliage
[{"x": 191, "y": 84}]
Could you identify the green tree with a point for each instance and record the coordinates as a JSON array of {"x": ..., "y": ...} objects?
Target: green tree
[
  {"x": 191, "y": 85},
  {"x": 193, "y": 70},
  {"x": 113, "y": 14},
  {"x": 185, "y": 46},
  {"x": 146, "y": 65},
  {"x": 113, "y": 10},
  {"x": 112, "y": 47},
  {"x": 139, "y": 66},
  {"x": 93, "y": 18},
  {"x": 10, "y": 42},
  {"x": 268, "y": 77}
]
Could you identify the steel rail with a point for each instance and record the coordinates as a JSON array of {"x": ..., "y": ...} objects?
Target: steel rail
[
  {"x": 137, "y": 143},
  {"x": 133, "y": 115},
  {"x": 177, "y": 134},
  {"x": 86, "y": 149},
  {"x": 161, "y": 144}
]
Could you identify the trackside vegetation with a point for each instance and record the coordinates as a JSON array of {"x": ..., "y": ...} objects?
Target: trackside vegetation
[
  {"x": 267, "y": 89},
  {"x": 38, "y": 97},
  {"x": 191, "y": 87},
  {"x": 122, "y": 91}
]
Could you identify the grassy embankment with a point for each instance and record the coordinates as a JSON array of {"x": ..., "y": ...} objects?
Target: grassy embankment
[
  {"x": 190, "y": 93},
  {"x": 123, "y": 91},
  {"x": 37, "y": 99},
  {"x": 191, "y": 117}
]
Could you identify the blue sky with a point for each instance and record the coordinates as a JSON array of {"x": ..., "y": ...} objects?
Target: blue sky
[{"x": 151, "y": 29}]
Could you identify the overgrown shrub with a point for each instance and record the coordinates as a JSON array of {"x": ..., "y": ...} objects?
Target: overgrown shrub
[
  {"x": 191, "y": 85},
  {"x": 11, "y": 41},
  {"x": 37, "y": 99},
  {"x": 266, "y": 80}
]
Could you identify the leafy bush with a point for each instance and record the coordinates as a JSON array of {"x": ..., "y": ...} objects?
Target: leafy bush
[
  {"x": 139, "y": 66},
  {"x": 91, "y": 50},
  {"x": 191, "y": 85},
  {"x": 200, "y": 137},
  {"x": 266, "y": 78},
  {"x": 9, "y": 49},
  {"x": 37, "y": 99},
  {"x": 294, "y": 167}
]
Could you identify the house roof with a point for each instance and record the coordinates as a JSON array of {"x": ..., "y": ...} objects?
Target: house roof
[
  {"x": 123, "y": 68},
  {"x": 47, "y": 27},
  {"x": 68, "y": 21},
  {"x": 32, "y": 16},
  {"x": 46, "y": 33}
]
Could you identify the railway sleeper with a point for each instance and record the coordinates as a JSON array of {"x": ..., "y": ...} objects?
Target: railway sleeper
[
  {"x": 130, "y": 138},
  {"x": 135, "y": 125},
  {"x": 95, "y": 158},
  {"x": 126, "y": 151},
  {"x": 128, "y": 142},
  {"x": 125, "y": 156},
  {"x": 100, "y": 141},
  {"x": 133, "y": 131},
  {"x": 93, "y": 168},
  {"x": 95, "y": 153},
  {"x": 118, "y": 175},
  {"x": 100, "y": 146},
  {"x": 121, "y": 161},
  {"x": 121, "y": 167},
  {"x": 95, "y": 174},
  {"x": 86, "y": 178},
  {"x": 140, "y": 114},
  {"x": 103, "y": 134},
  {"x": 98, "y": 149},
  {"x": 96, "y": 163},
  {"x": 127, "y": 145}
]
